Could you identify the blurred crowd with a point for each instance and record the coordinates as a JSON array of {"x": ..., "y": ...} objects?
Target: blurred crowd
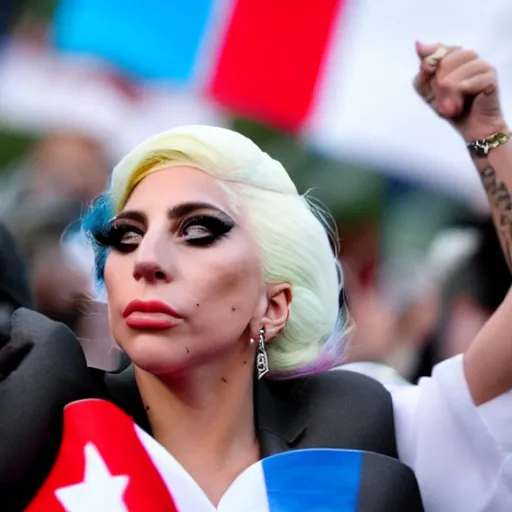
[
  {"x": 411, "y": 308},
  {"x": 422, "y": 312}
]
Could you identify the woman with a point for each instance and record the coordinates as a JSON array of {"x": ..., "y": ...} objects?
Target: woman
[{"x": 216, "y": 296}]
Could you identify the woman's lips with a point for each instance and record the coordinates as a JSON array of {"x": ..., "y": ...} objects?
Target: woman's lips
[
  {"x": 155, "y": 321},
  {"x": 151, "y": 315}
]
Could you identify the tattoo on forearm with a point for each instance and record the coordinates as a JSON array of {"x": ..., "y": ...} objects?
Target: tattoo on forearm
[{"x": 500, "y": 199}]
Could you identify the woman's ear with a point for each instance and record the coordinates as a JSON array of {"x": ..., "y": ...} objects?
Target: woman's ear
[{"x": 279, "y": 299}]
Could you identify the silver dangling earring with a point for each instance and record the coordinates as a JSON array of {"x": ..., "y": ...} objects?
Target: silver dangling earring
[{"x": 262, "y": 358}]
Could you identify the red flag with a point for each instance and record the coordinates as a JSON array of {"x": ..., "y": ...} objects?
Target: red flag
[
  {"x": 102, "y": 465},
  {"x": 272, "y": 57}
]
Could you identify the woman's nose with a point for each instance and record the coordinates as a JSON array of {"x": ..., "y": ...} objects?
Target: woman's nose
[
  {"x": 152, "y": 261},
  {"x": 150, "y": 271}
]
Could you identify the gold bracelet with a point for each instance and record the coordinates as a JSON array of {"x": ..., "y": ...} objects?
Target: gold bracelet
[{"x": 480, "y": 148}]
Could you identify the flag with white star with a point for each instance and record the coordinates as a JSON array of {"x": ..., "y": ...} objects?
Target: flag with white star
[
  {"x": 102, "y": 466},
  {"x": 106, "y": 463}
]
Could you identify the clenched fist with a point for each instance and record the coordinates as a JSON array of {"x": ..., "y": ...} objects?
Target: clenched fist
[{"x": 462, "y": 88}]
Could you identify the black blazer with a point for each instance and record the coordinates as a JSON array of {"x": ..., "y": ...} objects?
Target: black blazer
[{"x": 339, "y": 409}]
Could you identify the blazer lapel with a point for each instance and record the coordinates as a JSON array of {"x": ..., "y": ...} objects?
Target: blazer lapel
[{"x": 281, "y": 418}]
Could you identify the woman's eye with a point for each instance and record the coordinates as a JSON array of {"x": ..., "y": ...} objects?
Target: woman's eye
[
  {"x": 124, "y": 238},
  {"x": 196, "y": 231},
  {"x": 130, "y": 238},
  {"x": 205, "y": 229}
]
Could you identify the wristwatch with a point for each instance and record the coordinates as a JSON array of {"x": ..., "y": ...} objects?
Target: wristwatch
[{"x": 480, "y": 148}]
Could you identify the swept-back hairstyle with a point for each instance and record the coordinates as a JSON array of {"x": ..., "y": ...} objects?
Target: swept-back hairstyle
[{"x": 292, "y": 235}]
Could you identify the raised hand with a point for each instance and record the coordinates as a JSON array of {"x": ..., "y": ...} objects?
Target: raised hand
[{"x": 462, "y": 88}]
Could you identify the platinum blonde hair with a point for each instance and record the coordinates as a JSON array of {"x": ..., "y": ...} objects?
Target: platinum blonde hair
[{"x": 291, "y": 234}]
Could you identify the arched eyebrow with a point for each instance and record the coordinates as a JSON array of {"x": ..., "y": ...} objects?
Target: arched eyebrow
[{"x": 176, "y": 212}]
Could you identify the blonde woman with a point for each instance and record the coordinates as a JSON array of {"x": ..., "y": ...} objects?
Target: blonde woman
[{"x": 223, "y": 292}]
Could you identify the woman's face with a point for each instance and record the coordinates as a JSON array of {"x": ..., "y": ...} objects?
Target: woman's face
[{"x": 184, "y": 278}]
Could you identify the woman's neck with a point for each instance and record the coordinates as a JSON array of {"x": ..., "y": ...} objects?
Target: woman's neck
[{"x": 206, "y": 421}]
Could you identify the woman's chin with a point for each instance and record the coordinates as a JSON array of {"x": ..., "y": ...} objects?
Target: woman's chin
[
  {"x": 156, "y": 356},
  {"x": 158, "y": 366}
]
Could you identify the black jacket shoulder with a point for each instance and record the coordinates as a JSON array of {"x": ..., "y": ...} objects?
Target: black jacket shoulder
[{"x": 337, "y": 409}]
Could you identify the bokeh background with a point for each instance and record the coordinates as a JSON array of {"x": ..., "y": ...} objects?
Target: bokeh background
[{"x": 324, "y": 86}]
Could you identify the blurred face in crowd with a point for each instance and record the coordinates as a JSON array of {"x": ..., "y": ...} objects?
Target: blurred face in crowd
[{"x": 68, "y": 164}]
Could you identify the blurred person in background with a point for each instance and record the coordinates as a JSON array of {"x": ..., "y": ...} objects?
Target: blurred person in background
[
  {"x": 62, "y": 166},
  {"x": 426, "y": 311},
  {"x": 15, "y": 289},
  {"x": 392, "y": 320},
  {"x": 471, "y": 291},
  {"x": 40, "y": 198}
]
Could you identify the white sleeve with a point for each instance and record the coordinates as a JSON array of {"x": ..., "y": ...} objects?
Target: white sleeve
[{"x": 461, "y": 454}]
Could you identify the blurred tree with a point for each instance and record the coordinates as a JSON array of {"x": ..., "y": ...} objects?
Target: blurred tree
[
  {"x": 13, "y": 145},
  {"x": 40, "y": 10}
]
